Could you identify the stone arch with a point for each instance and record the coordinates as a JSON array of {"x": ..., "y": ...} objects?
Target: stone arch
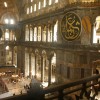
[
  {"x": 43, "y": 52},
  {"x": 26, "y": 49},
  {"x": 36, "y": 51},
  {"x": 15, "y": 48},
  {"x": 86, "y": 23}
]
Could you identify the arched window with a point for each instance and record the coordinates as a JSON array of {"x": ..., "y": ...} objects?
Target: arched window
[
  {"x": 31, "y": 9},
  {"x": 11, "y": 35},
  {"x": 31, "y": 0},
  {"x": 26, "y": 33},
  {"x": 34, "y": 7},
  {"x": 44, "y": 3},
  {"x": 44, "y": 34},
  {"x": 7, "y": 34},
  {"x": 39, "y": 33},
  {"x": 35, "y": 34},
  {"x": 50, "y": 2},
  {"x": 28, "y": 10},
  {"x": 11, "y": 21},
  {"x": 55, "y": 31},
  {"x": 6, "y": 21},
  {"x": 56, "y": 1},
  {"x": 39, "y": 7},
  {"x": 50, "y": 33},
  {"x": 31, "y": 33}
]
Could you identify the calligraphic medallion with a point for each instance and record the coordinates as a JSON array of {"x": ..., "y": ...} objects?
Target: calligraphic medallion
[{"x": 71, "y": 26}]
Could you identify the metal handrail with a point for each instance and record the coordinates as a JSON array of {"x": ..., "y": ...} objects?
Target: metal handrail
[{"x": 59, "y": 91}]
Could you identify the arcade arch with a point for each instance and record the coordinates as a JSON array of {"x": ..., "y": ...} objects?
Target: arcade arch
[
  {"x": 38, "y": 65},
  {"x": 44, "y": 33}
]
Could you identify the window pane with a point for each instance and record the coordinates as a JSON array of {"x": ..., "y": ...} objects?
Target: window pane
[
  {"x": 50, "y": 2},
  {"x": 11, "y": 21},
  {"x": 6, "y": 21},
  {"x": 35, "y": 7},
  {"x": 31, "y": 9},
  {"x": 39, "y": 5},
  {"x": 56, "y": 1},
  {"x": 44, "y": 3},
  {"x": 27, "y": 10}
]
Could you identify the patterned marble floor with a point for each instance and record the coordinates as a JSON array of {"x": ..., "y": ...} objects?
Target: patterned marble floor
[{"x": 15, "y": 88}]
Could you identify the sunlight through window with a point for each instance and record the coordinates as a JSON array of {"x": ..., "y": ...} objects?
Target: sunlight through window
[
  {"x": 44, "y": 3},
  {"x": 34, "y": 7},
  {"x": 56, "y": 1},
  {"x": 11, "y": 21},
  {"x": 6, "y": 21},
  {"x": 39, "y": 5},
  {"x": 49, "y": 2}
]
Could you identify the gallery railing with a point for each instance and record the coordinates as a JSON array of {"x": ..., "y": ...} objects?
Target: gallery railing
[
  {"x": 86, "y": 4},
  {"x": 67, "y": 91}
]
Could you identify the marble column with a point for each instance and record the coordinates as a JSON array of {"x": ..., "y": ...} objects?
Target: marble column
[
  {"x": 47, "y": 33},
  {"x": 91, "y": 37},
  {"x": 49, "y": 69},
  {"x": 49, "y": 72},
  {"x": 42, "y": 69},
  {"x": 30, "y": 74},
  {"x": 52, "y": 32},
  {"x": 35, "y": 65},
  {"x": 12, "y": 56}
]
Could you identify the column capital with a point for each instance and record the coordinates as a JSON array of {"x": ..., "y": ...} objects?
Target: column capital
[{"x": 49, "y": 56}]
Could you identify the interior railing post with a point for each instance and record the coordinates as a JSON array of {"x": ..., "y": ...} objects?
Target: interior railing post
[
  {"x": 83, "y": 91},
  {"x": 42, "y": 97},
  {"x": 60, "y": 97}
]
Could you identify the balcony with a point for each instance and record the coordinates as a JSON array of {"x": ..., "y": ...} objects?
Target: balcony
[{"x": 78, "y": 90}]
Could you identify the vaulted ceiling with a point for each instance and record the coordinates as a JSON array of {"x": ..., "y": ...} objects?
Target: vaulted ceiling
[{"x": 12, "y": 8}]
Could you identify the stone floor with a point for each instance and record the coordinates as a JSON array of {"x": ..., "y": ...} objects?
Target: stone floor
[
  {"x": 15, "y": 88},
  {"x": 1, "y": 90}
]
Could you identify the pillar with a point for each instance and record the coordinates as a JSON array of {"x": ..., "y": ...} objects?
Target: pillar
[
  {"x": 12, "y": 56},
  {"x": 41, "y": 33},
  {"x": 53, "y": 33},
  {"x": 50, "y": 67},
  {"x": 37, "y": 34},
  {"x": 91, "y": 37},
  {"x": 30, "y": 69},
  {"x": 42, "y": 70},
  {"x": 49, "y": 71},
  {"x": 47, "y": 33},
  {"x": 35, "y": 65}
]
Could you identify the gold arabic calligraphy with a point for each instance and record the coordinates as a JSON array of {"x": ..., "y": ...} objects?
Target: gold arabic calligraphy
[{"x": 71, "y": 26}]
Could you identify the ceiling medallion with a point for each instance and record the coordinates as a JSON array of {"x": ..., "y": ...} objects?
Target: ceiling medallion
[{"x": 71, "y": 26}]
